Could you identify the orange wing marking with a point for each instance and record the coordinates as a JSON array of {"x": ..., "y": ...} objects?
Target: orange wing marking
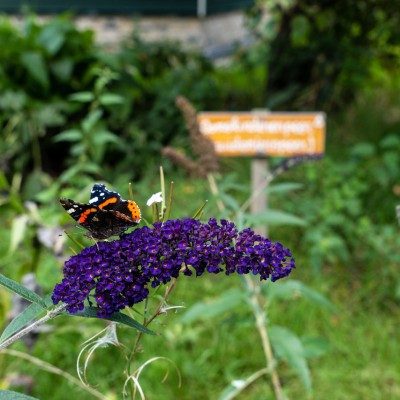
[
  {"x": 85, "y": 214},
  {"x": 134, "y": 209},
  {"x": 107, "y": 202}
]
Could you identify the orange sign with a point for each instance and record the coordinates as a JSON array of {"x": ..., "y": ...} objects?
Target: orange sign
[{"x": 264, "y": 133}]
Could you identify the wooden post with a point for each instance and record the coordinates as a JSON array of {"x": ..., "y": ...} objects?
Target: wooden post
[{"x": 259, "y": 185}]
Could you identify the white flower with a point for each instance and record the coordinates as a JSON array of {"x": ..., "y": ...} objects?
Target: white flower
[
  {"x": 238, "y": 383},
  {"x": 156, "y": 198}
]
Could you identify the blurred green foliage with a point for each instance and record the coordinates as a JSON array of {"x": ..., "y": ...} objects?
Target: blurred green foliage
[
  {"x": 321, "y": 53},
  {"x": 112, "y": 108},
  {"x": 72, "y": 113}
]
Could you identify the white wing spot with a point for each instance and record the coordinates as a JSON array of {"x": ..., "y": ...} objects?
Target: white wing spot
[{"x": 93, "y": 200}]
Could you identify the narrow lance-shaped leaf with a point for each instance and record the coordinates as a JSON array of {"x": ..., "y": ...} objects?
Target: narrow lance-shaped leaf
[
  {"x": 36, "y": 66},
  {"x": 274, "y": 217},
  {"x": 292, "y": 289},
  {"x": 289, "y": 348},
  {"x": 104, "y": 136},
  {"x": 22, "y": 291},
  {"x": 25, "y": 317},
  {"x": 91, "y": 312},
  {"x": 284, "y": 187},
  {"x": 207, "y": 310},
  {"x": 10, "y": 395},
  {"x": 315, "y": 346},
  {"x": 70, "y": 135},
  {"x": 91, "y": 120},
  {"x": 83, "y": 97},
  {"x": 52, "y": 38},
  {"x": 109, "y": 99}
]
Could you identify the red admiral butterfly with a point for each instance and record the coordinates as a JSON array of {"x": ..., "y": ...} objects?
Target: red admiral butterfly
[{"x": 107, "y": 214}]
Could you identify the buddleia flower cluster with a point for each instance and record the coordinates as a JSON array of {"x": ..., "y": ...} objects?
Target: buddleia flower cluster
[{"x": 119, "y": 273}]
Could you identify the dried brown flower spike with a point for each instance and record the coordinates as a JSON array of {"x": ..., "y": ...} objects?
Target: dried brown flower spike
[{"x": 202, "y": 146}]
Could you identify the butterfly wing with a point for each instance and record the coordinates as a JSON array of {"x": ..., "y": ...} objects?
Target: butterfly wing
[
  {"x": 103, "y": 198},
  {"x": 127, "y": 211},
  {"x": 81, "y": 213}
]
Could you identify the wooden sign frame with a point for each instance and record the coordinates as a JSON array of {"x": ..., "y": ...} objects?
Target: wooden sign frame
[{"x": 265, "y": 133}]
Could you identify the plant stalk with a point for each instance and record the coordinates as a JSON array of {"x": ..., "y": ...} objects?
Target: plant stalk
[
  {"x": 50, "y": 315},
  {"x": 261, "y": 319}
]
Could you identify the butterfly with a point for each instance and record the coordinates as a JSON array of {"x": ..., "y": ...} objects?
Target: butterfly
[{"x": 107, "y": 214}]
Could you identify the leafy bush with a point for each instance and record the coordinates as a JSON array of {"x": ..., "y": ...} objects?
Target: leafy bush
[
  {"x": 54, "y": 78},
  {"x": 349, "y": 205},
  {"x": 65, "y": 103},
  {"x": 320, "y": 54},
  {"x": 39, "y": 67}
]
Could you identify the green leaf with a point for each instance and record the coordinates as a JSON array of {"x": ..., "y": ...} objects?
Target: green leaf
[
  {"x": 289, "y": 348},
  {"x": 284, "y": 187},
  {"x": 316, "y": 297},
  {"x": 77, "y": 149},
  {"x": 36, "y": 66},
  {"x": 315, "y": 347},
  {"x": 50, "y": 115},
  {"x": 230, "y": 201},
  {"x": 22, "y": 291},
  {"x": 18, "y": 228},
  {"x": 292, "y": 290},
  {"x": 91, "y": 312},
  {"x": 12, "y": 100},
  {"x": 274, "y": 217},
  {"x": 10, "y": 395},
  {"x": 91, "y": 120},
  {"x": 300, "y": 31},
  {"x": 362, "y": 150},
  {"x": 109, "y": 99},
  {"x": 211, "y": 309},
  {"x": 4, "y": 185},
  {"x": 390, "y": 141},
  {"x": 52, "y": 37},
  {"x": 25, "y": 317},
  {"x": 62, "y": 69},
  {"x": 102, "y": 137},
  {"x": 83, "y": 97},
  {"x": 70, "y": 135}
]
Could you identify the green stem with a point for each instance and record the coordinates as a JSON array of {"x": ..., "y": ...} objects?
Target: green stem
[
  {"x": 32, "y": 326},
  {"x": 169, "y": 207},
  {"x": 261, "y": 323},
  {"x": 162, "y": 302},
  {"x": 147, "y": 322},
  {"x": 255, "y": 300},
  {"x": 162, "y": 182}
]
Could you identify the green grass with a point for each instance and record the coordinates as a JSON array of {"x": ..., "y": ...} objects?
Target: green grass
[{"x": 363, "y": 360}]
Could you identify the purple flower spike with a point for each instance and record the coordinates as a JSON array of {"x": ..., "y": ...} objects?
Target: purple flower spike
[{"x": 117, "y": 274}]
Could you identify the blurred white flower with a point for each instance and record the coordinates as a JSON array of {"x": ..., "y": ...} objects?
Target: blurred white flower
[
  {"x": 156, "y": 198},
  {"x": 238, "y": 383}
]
